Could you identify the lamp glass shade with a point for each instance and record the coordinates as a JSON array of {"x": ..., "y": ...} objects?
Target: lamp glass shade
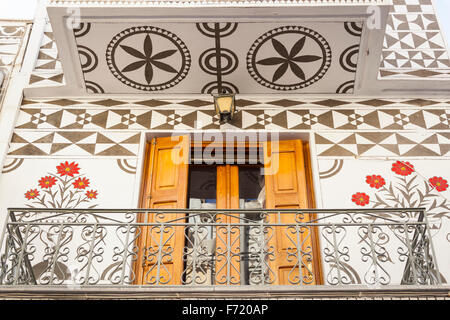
[{"x": 224, "y": 104}]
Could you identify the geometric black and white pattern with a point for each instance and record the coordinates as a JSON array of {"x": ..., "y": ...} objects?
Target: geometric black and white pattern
[
  {"x": 342, "y": 127},
  {"x": 254, "y": 103},
  {"x": 69, "y": 143},
  {"x": 384, "y": 144},
  {"x": 206, "y": 57},
  {"x": 48, "y": 69},
  {"x": 285, "y": 118},
  {"x": 328, "y": 144},
  {"x": 414, "y": 45}
]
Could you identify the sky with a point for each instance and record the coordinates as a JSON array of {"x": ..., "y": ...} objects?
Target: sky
[
  {"x": 24, "y": 9},
  {"x": 443, "y": 12},
  {"x": 17, "y": 9}
]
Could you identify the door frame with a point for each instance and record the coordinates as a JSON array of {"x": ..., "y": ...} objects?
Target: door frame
[{"x": 317, "y": 258}]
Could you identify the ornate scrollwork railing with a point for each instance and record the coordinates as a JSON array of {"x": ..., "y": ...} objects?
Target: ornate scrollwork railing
[{"x": 75, "y": 247}]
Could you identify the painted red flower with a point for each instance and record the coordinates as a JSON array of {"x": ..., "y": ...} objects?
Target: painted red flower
[
  {"x": 375, "y": 181},
  {"x": 91, "y": 194},
  {"x": 439, "y": 183},
  {"x": 47, "y": 182},
  {"x": 360, "y": 198},
  {"x": 402, "y": 168},
  {"x": 68, "y": 169},
  {"x": 81, "y": 183},
  {"x": 31, "y": 194}
]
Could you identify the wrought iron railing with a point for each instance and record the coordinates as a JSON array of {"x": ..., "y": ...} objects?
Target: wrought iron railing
[{"x": 75, "y": 247}]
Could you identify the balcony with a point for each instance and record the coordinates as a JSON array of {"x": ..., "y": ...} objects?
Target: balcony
[{"x": 99, "y": 247}]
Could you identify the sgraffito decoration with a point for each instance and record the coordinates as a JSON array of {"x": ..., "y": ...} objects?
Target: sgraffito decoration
[
  {"x": 409, "y": 189},
  {"x": 88, "y": 59},
  {"x": 249, "y": 57},
  {"x": 66, "y": 189},
  {"x": 334, "y": 170},
  {"x": 414, "y": 45},
  {"x": 301, "y": 50},
  {"x": 218, "y": 61},
  {"x": 12, "y": 165},
  {"x": 145, "y": 67}
]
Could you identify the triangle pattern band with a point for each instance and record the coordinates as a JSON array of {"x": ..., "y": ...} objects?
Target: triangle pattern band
[
  {"x": 76, "y": 143},
  {"x": 318, "y": 119},
  {"x": 411, "y": 144}
]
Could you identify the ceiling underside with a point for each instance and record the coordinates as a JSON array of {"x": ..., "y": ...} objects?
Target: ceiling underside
[
  {"x": 240, "y": 57},
  {"x": 316, "y": 48}
]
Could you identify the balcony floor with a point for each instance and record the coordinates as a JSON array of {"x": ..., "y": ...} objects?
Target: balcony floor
[{"x": 228, "y": 292}]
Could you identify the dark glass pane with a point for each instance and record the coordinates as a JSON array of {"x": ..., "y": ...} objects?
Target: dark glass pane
[
  {"x": 202, "y": 185},
  {"x": 251, "y": 183}
]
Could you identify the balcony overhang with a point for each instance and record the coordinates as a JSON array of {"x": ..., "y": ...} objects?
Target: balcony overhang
[{"x": 190, "y": 47}]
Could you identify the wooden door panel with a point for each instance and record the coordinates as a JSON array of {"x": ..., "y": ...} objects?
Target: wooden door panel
[
  {"x": 161, "y": 248},
  {"x": 168, "y": 204},
  {"x": 286, "y": 188},
  {"x": 285, "y": 181},
  {"x": 166, "y": 174}
]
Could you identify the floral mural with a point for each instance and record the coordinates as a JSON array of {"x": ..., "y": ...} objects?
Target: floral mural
[
  {"x": 407, "y": 189},
  {"x": 394, "y": 184},
  {"x": 65, "y": 189}
]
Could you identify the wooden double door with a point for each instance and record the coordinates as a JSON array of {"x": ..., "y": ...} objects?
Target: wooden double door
[{"x": 287, "y": 186}]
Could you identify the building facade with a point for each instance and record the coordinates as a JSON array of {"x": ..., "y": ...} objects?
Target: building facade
[{"x": 331, "y": 179}]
